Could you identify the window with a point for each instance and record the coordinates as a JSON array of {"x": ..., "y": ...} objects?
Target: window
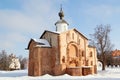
[
  {"x": 77, "y": 38},
  {"x": 87, "y": 62},
  {"x": 63, "y": 59},
  {"x": 67, "y": 37},
  {"x": 82, "y": 53},
  {"x": 91, "y": 63},
  {"x": 72, "y": 35},
  {"x": 79, "y": 41},
  {"x": 79, "y": 52},
  {"x": 91, "y": 54}
]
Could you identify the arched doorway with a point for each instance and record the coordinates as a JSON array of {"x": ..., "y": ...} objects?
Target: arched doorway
[{"x": 72, "y": 55}]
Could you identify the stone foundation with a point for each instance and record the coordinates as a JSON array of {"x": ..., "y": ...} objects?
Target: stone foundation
[
  {"x": 86, "y": 71},
  {"x": 75, "y": 71}
]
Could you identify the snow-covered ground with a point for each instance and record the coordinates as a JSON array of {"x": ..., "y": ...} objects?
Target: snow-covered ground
[{"x": 109, "y": 74}]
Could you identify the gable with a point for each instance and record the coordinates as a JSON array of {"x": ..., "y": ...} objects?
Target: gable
[
  {"x": 80, "y": 34},
  {"x": 39, "y": 43},
  {"x": 54, "y": 32},
  {"x": 46, "y": 31},
  {"x": 76, "y": 31},
  {"x": 31, "y": 40}
]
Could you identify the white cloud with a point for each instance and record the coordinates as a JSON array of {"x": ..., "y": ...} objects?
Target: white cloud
[{"x": 33, "y": 18}]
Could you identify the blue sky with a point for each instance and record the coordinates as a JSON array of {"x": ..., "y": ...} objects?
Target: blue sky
[{"x": 21, "y": 20}]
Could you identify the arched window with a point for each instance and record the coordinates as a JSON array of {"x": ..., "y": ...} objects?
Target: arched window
[
  {"x": 91, "y": 54},
  {"x": 63, "y": 59},
  {"x": 73, "y": 36},
  {"x": 82, "y": 53},
  {"x": 91, "y": 63},
  {"x": 79, "y": 52},
  {"x": 79, "y": 41},
  {"x": 67, "y": 37}
]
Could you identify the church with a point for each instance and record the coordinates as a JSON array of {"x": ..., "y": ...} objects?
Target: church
[{"x": 61, "y": 52}]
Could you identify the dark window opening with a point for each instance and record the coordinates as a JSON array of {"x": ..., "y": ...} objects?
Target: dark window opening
[{"x": 63, "y": 59}]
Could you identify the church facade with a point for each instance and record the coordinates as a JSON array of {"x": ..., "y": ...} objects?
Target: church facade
[{"x": 61, "y": 52}]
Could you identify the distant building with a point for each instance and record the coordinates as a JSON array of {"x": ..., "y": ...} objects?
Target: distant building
[
  {"x": 61, "y": 52},
  {"x": 116, "y": 53},
  {"x": 113, "y": 59}
]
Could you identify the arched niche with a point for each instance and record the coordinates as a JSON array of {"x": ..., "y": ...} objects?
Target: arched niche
[{"x": 72, "y": 55}]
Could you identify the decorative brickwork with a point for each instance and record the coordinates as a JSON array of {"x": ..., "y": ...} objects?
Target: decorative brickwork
[
  {"x": 86, "y": 70},
  {"x": 60, "y": 52},
  {"x": 75, "y": 71},
  {"x": 63, "y": 54}
]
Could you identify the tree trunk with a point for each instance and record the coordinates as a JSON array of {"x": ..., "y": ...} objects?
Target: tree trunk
[
  {"x": 104, "y": 62},
  {"x": 103, "y": 66}
]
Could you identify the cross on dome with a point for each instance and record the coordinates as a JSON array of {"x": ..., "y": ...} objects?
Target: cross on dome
[
  {"x": 61, "y": 25},
  {"x": 61, "y": 14}
]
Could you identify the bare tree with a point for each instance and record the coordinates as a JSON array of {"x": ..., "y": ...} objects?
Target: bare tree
[
  {"x": 102, "y": 42},
  {"x": 4, "y": 62},
  {"x": 12, "y": 62},
  {"x": 109, "y": 59},
  {"x": 23, "y": 62}
]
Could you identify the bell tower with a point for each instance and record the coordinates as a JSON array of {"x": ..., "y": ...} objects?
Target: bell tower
[{"x": 61, "y": 25}]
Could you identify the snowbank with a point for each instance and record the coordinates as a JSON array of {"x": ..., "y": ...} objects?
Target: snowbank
[{"x": 109, "y": 74}]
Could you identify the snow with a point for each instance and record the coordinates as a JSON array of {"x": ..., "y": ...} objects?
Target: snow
[
  {"x": 42, "y": 43},
  {"x": 14, "y": 64},
  {"x": 56, "y": 32},
  {"x": 108, "y": 74}
]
